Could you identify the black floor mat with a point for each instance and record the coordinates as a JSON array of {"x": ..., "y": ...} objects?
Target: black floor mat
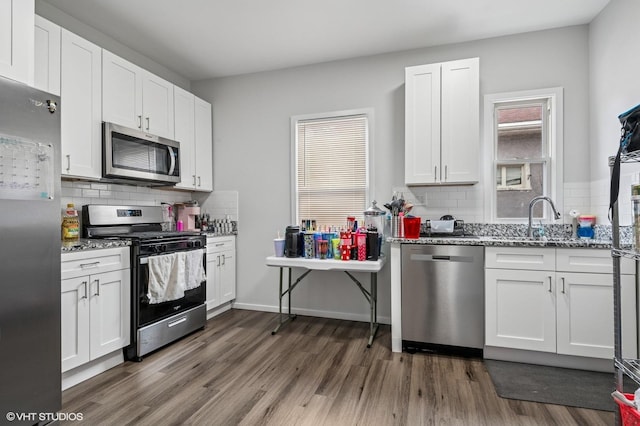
[{"x": 554, "y": 385}]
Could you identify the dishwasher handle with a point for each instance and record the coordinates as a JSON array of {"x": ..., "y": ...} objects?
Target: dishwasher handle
[{"x": 440, "y": 258}]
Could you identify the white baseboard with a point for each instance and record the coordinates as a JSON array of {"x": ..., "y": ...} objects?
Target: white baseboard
[
  {"x": 218, "y": 310},
  {"x": 347, "y": 316},
  {"x": 549, "y": 359},
  {"x": 93, "y": 368}
]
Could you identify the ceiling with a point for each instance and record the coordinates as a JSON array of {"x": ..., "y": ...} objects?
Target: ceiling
[{"x": 201, "y": 39}]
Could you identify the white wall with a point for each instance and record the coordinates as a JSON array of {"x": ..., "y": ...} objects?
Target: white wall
[
  {"x": 615, "y": 87},
  {"x": 252, "y": 141}
]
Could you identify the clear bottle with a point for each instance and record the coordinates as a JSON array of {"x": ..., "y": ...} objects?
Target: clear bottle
[{"x": 70, "y": 224}]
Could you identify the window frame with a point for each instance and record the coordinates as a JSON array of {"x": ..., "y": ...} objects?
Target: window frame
[
  {"x": 525, "y": 171},
  {"x": 554, "y": 184},
  {"x": 368, "y": 112}
]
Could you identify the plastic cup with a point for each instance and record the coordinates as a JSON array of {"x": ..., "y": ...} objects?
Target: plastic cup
[{"x": 278, "y": 244}]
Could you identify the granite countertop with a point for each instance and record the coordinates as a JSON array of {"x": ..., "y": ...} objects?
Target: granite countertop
[
  {"x": 513, "y": 235},
  {"x": 506, "y": 241},
  {"x": 220, "y": 234},
  {"x": 92, "y": 244}
]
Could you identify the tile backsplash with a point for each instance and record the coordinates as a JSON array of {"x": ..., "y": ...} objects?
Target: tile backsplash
[
  {"x": 81, "y": 193},
  {"x": 219, "y": 204},
  {"x": 467, "y": 202}
]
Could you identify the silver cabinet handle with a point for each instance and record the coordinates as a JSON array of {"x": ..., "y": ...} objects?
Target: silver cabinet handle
[
  {"x": 224, "y": 260},
  {"x": 139, "y": 122},
  {"x": 218, "y": 261},
  {"x": 89, "y": 265},
  {"x": 194, "y": 180},
  {"x": 445, "y": 173},
  {"x": 68, "y": 163},
  {"x": 84, "y": 283},
  {"x": 97, "y": 288},
  {"x": 199, "y": 181},
  {"x": 435, "y": 173},
  {"x": 562, "y": 284},
  {"x": 148, "y": 123},
  {"x": 549, "y": 283}
]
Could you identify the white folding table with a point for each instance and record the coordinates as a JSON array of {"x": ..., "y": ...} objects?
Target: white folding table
[{"x": 346, "y": 266}]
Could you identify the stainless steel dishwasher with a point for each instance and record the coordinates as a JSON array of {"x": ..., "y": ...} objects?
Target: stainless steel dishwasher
[{"x": 443, "y": 298}]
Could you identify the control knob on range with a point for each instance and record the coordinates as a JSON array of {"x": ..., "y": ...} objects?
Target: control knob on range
[{"x": 160, "y": 248}]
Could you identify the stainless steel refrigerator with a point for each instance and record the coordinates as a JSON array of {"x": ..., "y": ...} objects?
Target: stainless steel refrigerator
[{"x": 30, "y": 218}]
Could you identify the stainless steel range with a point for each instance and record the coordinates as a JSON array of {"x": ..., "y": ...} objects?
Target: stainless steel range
[{"x": 168, "y": 281}]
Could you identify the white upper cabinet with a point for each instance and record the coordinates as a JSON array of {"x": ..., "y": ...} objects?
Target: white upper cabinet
[
  {"x": 81, "y": 112},
  {"x": 185, "y": 134},
  {"x": 17, "y": 39},
  {"x": 442, "y": 126},
  {"x": 203, "y": 135},
  {"x": 135, "y": 98},
  {"x": 193, "y": 131},
  {"x": 47, "y": 56}
]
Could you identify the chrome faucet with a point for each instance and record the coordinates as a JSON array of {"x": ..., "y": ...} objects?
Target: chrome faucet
[{"x": 531, "y": 204}]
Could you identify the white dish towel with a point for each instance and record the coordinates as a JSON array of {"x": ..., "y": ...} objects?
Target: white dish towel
[
  {"x": 170, "y": 275},
  {"x": 193, "y": 268},
  {"x": 166, "y": 277}
]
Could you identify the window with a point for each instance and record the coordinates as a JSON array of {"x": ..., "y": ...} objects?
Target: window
[
  {"x": 331, "y": 167},
  {"x": 523, "y": 134}
]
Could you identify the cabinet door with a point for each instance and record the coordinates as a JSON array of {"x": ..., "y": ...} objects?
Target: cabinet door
[
  {"x": 80, "y": 90},
  {"x": 47, "y": 56},
  {"x": 203, "y": 141},
  {"x": 75, "y": 322},
  {"x": 17, "y": 39},
  {"x": 213, "y": 280},
  {"x": 422, "y": 124},
  {"x": 585, "y": 314},
  {"x": 122, "y": 91},
  {"x": 185, "y": 134},
  {"x": 520, "y": 309},
  {"x": 227, "y": 276},
  {"x": 460, "y": 130},
  {"x": 157, "y": 106},
  {"x": 109, "y": 295}
]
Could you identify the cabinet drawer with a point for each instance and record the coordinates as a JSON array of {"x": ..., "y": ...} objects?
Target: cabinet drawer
[
  {"x": 590, "y": 260},
  {"x": 86, "y": 262},
  {"x": 532, "y": 258},
  {"x": 584, "y": 260},
  {"x": 218, "y": 244}
]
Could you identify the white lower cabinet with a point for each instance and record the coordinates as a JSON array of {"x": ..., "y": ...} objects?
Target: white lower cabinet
[
  {"x": 96, "y": 294},
  {"x": 563, "y": 306},
  {"x": 221, "y": 270}
]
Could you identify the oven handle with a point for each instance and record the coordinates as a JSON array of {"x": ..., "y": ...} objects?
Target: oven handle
[{"x": 145, "y": 260}]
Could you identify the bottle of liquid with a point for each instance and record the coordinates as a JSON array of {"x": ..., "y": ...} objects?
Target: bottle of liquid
[{"x": 70, "y": 224}]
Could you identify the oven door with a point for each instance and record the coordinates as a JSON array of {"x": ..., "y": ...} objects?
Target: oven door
[{"x": 148, "y": 312}]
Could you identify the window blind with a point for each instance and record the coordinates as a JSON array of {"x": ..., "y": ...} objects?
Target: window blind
[{"x": 331, "y": 168}]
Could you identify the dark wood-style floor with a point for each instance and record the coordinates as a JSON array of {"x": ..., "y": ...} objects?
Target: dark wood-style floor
[{"x": 315, "y": 371}]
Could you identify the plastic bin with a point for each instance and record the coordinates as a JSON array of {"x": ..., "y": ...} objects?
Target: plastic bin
[
  {"x": 630, "y": 416},
  {"x": 412, "y": 227}
]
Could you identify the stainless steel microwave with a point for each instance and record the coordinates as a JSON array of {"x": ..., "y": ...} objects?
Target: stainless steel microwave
[{"x": 132, "y": 155}]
